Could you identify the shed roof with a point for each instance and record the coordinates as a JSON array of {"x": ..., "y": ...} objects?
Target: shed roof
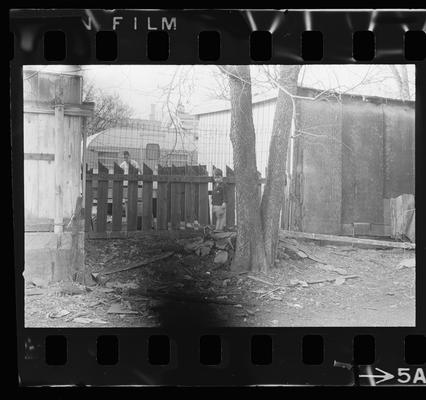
[{"x": 224, "y": 105}]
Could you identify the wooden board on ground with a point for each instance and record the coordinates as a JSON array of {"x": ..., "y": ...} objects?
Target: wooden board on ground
[{"x": 345, "y": 239}]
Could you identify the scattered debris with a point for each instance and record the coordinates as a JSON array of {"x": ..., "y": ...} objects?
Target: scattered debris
[
  {"x": 186, "y": 278},
  {"x": 295, "y": 305},
  {"x": 34, "y": 291},
  {"x": 295, "y": 250},
  {"x": 82, "y": 320},
  {"x": 141, "y": 263},
  {"x": 105, "y": 290},
  {"x": 333, "y": 279},
  {"x": 221, "y": 257},
  {"x": 58, "y": 314},
  {"x": 255, "y": 278},
  {"x": 193, "y": 245},
  {"x": 70, "y": 289},
  {"x": 270, "y": 292},
  {"x": 99, "y": 278},
  {"x": 179, "y": 296},
  {"x": 37, "y": 282},
  {"x": 407, "y": 263},
  {"x": 203, "y": 250},
  {"x": 296, "y": 282},
  {"x": 339, "y": 281},
  {"x": 332, "y": 268},
  {"x": 223, "y": 244},
  {"x": 284, "y": 234},
  {"x": 222, "y": 241},
  {"x": 117, "y": 308},
  {"x": 124, "y": 286},
  {"x": 260, "y": 291}
]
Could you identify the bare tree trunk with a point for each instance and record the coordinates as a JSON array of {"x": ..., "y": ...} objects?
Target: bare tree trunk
[
  {"x": 250, "y": 250},
  {"x": 401, "y": 78},
  {"x": 273, "y": 195}
]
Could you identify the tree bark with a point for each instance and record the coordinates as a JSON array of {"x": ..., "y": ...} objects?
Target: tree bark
[
  {"x": 401, "y": 78},
  {"x": 273, "y": 195},
  {"x": 250, "y": 249}
]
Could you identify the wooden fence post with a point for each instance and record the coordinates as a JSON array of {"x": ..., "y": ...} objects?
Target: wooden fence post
[
  {"x": 175, "y": 202},
  {"x": 203, "y": 199},
  {"x": 168, "y": 171},
  {"x": 77, "y": 244},
  {"x": 196, "y": 169},
  {"x": 147, "y": 201},
  {"x": 102, "y": 198},
  {"x": 132, "y": 199},
  {"x": 162, "y": 216},
  {"x": 181, "y": 191},
  {"x": 88, "y": 201},
  {"x": 117, "y": 200},
  {"x": 230, "y": 199},
  {"x": 189, "y": 197}
]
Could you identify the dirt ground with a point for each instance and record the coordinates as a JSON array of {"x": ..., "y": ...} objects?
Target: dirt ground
[{"x": 185, "y": 290}]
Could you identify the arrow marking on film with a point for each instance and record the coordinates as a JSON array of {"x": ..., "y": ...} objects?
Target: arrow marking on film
[{"x": 381, "y": 378}]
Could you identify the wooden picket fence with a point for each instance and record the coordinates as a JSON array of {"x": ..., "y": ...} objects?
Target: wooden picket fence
[{"x": 182, "y": 197}]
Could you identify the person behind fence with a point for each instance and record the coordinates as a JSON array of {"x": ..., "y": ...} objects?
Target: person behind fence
[
  {"x": 125, "y": 166},
  {"x": 127, "y": 160},
  {"x": 219, "y": 199}
]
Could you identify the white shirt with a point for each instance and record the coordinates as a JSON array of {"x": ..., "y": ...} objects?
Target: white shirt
[{"x": 125, "y": 165}]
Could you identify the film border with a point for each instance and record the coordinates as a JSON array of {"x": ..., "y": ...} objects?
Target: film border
[{"x": 184, "y": 368}]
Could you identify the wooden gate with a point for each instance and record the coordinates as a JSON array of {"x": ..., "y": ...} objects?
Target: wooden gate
[{"x": 174, "y": 198}]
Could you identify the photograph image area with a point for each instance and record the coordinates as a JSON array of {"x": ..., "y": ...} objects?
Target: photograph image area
[{"x": 186, "y": 196}]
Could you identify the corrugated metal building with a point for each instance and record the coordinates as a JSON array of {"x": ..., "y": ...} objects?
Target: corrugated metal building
[{"x": 351, "y": 154}]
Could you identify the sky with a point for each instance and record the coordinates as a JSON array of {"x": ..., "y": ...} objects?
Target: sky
[{"x": 139, "y": 86}]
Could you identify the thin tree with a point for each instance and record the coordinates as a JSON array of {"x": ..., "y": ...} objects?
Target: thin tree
[
  {"x": 401, "y": 76},
  {"x": 273, "y": 194},
  {"x": 258, "y": 218},
  {"x": 110, "y": 110}
]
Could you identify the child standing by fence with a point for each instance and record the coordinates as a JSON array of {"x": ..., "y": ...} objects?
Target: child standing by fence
[
  {"x": 219, "y": 199},
  {"x": 125, "y": 166}
]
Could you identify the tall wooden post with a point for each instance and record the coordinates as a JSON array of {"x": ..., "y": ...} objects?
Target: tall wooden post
[
  {"x": 59, "y": 164},
  {"x": 84, "y": 160}
]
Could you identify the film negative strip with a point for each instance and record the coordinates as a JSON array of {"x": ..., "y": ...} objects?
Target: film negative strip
[{"x": 222, "y": 197}]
